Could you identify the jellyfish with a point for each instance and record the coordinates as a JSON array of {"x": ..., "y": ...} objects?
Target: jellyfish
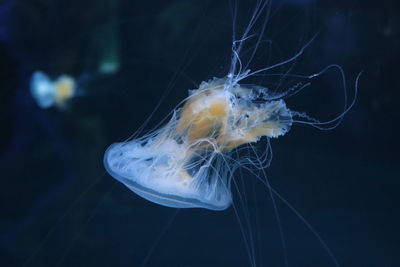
[
  {"x": 188, "y": 162},
  {"x": 182, "y": 165},
  {"x": 48, "y": 93}
]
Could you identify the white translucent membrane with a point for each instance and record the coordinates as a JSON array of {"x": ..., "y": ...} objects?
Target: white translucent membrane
[{"x": 184, "y": 164}]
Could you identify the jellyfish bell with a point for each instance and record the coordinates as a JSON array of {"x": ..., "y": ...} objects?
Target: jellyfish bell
[{"x": 184, "y": 164}]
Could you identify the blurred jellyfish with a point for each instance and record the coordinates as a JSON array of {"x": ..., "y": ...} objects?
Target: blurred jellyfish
[
  {"x": 189, "y": 162},
  {"x": 48, "y": 93}
]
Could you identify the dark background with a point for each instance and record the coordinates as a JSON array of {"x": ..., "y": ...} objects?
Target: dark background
[{"x": 60, "y": 208}]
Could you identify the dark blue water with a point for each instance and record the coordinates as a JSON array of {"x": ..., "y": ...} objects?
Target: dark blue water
[{"x": 59, "y": 206}]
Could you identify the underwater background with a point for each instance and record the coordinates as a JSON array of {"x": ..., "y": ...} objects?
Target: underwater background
[{"x": 60, "y": 208}]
